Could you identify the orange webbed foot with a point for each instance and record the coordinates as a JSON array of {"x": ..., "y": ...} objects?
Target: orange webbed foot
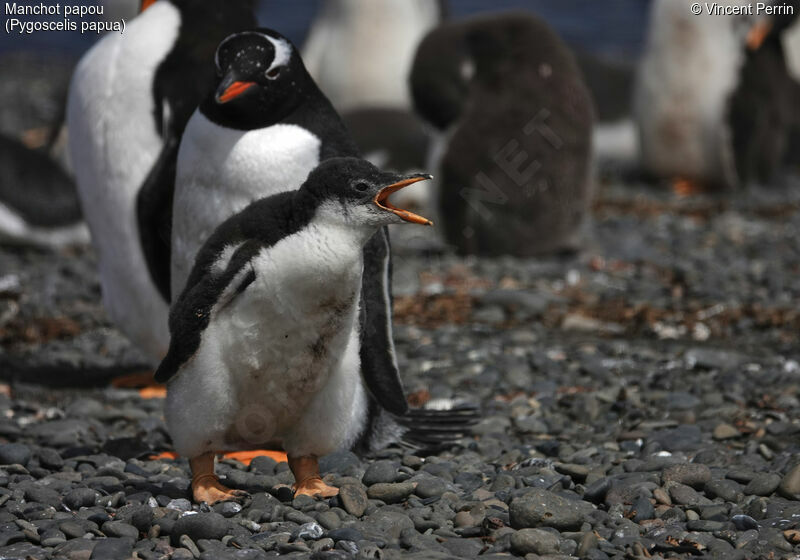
[
  {"x": 315, "y": 488},
  {"x": 206, "y": 487},
  {"x": 210, "y": 490},
  {"x": 309, "y": 483}
]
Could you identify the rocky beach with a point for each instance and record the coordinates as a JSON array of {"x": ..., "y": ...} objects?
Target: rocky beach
[{"x": 638, "y": 400}]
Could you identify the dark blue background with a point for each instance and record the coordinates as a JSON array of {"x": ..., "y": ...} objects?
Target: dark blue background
[{"x": 614, "y": 28}]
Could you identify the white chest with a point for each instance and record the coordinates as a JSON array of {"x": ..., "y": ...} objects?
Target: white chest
[
  {"x": 286, "y": 333},
  {"x": 221, "y": 171}
]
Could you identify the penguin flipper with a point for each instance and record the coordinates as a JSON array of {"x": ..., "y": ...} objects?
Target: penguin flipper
[
  {"x": 432, "y": 430},
  {"x": 154, "y": 215},
  {"x": 191, "y": 313},
  {"x": 378, "y": 363}
]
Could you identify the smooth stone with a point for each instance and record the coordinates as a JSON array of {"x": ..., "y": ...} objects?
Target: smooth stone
[
  {"x": 690, "y": 474},
  {"x": 542, "y": 508},
  {"x": 112, "y": 549},
  {"x": 704, "y": 525},
  {"x": 744, "y": 522},
  {"x": 50, "y": 459},
  {"x": 14, "y": 454},
  {"x": 42, "y": 495},
  {"x": 379, "y": 471},
  {"x": 536, "y": 541},
  {"x": 329, "y": 520},
  {"x": 642, "y": 509},
  {"x": 429, "y": 487},
  {"x": 728, "y": 490},
  {"x": 790, "y": 484},
  {"x": 345, "y": 534},
  {"x": 686, "y": 495},
  {"x": 725, "y": 431},
  {"x": 763, "y": 484},
  {"x": 353, "y": 498},
  {"x": 391, "y": 492},
  {"x": 200, "y": 526},
  {"x": 120, "y": 529}
]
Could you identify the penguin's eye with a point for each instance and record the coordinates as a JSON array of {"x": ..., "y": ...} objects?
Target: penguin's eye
[
  {"x": 274, "y": 73},
  {"x": 361, "y": 187}
]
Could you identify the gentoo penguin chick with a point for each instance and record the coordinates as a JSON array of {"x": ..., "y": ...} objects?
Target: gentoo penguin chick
[
  {"x": 515, "y": 173},
  {"x": 265, "y": 335},
  {"x": 261, "y": 132},
  {"x": 686, "y": 77},
  {"x": 763, "y": 109},
  {"x": 360, "y": 52},
  {"x": 38, "y": 202},
  {"x": 130, "y": 98}
]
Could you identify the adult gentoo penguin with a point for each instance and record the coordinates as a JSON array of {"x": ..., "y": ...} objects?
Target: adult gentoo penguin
[
  {"x": 686, "y": 77},
  {"x": 265, "y": 336},
  {"x": 360, "y": 52},
  {"x": 514, "y": 171},
  {"x": 764, "y": 107},
  {"x": 129, "y": 101},
  {"x": 263, "y": 130}
]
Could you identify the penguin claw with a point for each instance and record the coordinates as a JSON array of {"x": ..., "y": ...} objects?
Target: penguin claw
[
  {"x": 214, "y": 492},
  {"x": 315, "y": 488}
]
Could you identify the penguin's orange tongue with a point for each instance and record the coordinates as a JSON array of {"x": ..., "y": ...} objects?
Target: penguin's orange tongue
[
  {"x": 382, "y": 200},
  {"x": 235, "y": 90}
]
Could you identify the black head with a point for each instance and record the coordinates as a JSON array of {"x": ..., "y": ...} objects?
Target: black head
[
  {"x": 356, "y": 192},
  {"x": 261, "y": 79},
  {"x": 769, "y": 28}
]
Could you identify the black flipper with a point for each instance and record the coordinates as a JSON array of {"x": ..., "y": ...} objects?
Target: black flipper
[
  {"x": 191, "y": 314},
  {"x": 378, "y": 362},
  {"x": 154, "y": 215},
  {"x": 431, "y": 430}
]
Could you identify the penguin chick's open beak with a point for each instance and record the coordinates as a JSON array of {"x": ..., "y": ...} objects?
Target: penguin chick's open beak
[
  {"x": 382, "y": 200},
  {"x": 232, "y": 91},
  {"x": 757, "y": 34}
]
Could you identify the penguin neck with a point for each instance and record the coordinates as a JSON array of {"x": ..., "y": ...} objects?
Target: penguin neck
[{"x": 327, "y": 218}]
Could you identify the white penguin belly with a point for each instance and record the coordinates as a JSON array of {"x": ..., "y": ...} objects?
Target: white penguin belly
[
  {"x": 280, "y": 363},
  {"x": 113, "y": 144},
  {"x": 222, "y": 170}
]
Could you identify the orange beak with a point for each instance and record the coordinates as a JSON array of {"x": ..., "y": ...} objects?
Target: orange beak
[
  {"x": 757, "y": 34},
  {"x": 146, "y": 4},
  {"x": 235, "y": 90},
  {"x": 382, "y": 201}
]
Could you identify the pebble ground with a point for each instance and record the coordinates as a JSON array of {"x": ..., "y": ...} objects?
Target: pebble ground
[{"x": 639, "y": 400}]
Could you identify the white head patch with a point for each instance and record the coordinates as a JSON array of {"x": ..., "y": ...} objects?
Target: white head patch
[{"x": 283, "y": 52}]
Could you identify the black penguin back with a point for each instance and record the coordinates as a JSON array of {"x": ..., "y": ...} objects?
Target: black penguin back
[
  {"x": 515, "y": 178},
  {"x": 182, "y": 80},
  {"x": 762, "y": 112}
]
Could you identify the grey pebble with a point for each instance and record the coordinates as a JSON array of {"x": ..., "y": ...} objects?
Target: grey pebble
[
  {"x": 379, "y": 471},
  {"x": 542, "y": 508},
  {"x": 14, "y": 454},
  {"x": 536, "y": 541},
  {"x": 354, "y": 499},
  {"x": 763, "y": 484},
  {"x": 390, "y": 492},
  {"x": 200, "y": 526},
  {"x": 690, "y": 474}
]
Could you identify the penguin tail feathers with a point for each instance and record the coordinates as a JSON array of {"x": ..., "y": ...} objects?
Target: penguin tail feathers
[{"x": 433, "y": 429}]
